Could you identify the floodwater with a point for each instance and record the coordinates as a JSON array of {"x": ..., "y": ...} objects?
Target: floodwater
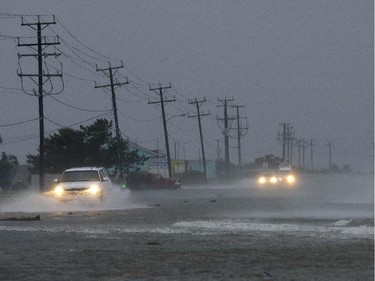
[{"x": 321, "y": 230}]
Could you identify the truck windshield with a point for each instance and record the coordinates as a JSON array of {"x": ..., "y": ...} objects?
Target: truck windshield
[{"x": 72, "y": 176}]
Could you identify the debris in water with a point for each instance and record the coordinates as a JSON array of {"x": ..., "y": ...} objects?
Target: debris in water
[
  {"x": 36, "y": 218},
  {"x": 267, "y": 276}
]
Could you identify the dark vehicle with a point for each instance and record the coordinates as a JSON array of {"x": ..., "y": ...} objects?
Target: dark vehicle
[{"x": 151, "y": 181}]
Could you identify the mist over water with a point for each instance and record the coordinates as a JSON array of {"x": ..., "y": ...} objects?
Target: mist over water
[
  {"x": 317, "y": 196},
  {"x": 31, "y": 202},
  {"x": 322, "y": 205}
]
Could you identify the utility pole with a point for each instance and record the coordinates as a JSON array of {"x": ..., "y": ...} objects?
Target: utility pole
[
  {"x": 197, "y": 104},
  {"x": 161, "y": 91},
  {"x": 110, "y": 71},
  {"x": 292, "y": 144},
  {"x": 241, "y": 132},
  {"x": 330, "y": 144},
  {"x": 284, "y": 137},
  {"x": 299, "y": 153},
  {"x": 43, "y": 76},
  {"x": 225, "y": 102},
  {"x": 218, "y": 149},
  {"x": 312, "y": 143},
  {"x": 303, "y": 153}
]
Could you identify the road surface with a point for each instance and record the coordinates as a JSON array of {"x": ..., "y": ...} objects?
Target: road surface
[{"x": 322, "y": 230}]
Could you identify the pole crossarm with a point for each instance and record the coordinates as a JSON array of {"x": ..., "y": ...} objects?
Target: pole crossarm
[{"x": 23, "y": 23}]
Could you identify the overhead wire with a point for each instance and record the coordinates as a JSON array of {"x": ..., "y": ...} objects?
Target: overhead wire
[
  {"x": 78, "y": 60},
  {"x": 99, "y": 54},
  {"x": 18, "y": 123},
  {"x": 78, "y": 108}
]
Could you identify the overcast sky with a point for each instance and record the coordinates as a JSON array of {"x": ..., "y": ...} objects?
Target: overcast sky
[{"x": 306, "y": 63}]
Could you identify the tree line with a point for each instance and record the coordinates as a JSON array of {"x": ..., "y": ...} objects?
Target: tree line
[{"x": 91, "y": 145}]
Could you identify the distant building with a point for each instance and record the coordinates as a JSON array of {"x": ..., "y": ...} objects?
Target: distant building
[
  {"x": 197, "y": 165},
  {"x": 156, "y": 162}
]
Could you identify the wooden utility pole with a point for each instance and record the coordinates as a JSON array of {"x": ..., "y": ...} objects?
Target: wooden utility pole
[
  {"x": 241, "y": 131},
  {"x": 330, "y": 144},
  {"x": 197, "y": 104},
  {"x": 161, "y": 90},
  {"x": 218, "y": 149},
  {"x": 225, "y": 102},
  {"x": 312, "y": 143},
  {"x": 299, "y": 153},
  {"x": 303, "y": 153},
  {"x": 282, "y": 137},
  {"x": 110, "y": 71},
  {"x": 43, "y": 76}
]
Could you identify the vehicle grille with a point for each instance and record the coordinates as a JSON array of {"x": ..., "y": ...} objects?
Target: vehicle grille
[{"x": 77, "y": 189}]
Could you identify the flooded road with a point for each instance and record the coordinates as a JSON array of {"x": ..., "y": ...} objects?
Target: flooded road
[{"x": 322, "y": 230}]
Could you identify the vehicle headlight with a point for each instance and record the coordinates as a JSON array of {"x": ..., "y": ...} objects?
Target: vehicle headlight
[
  {"x": 94, "y": 189},
  {"x": 290, "y": 179},
  {"x": 262, "y": 180},
  {"x": 273, "y": 179},
  {"x": 59, "y": 190}
]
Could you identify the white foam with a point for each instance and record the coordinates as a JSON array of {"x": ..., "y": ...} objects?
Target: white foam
[
  {"x": 217, "y": 227},
  {"x": 225, "y": 226},
  {"x": 342, "y": 222}
]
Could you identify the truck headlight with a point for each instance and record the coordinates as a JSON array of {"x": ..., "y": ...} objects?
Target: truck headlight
[
  {"x": 273, "y": 179},
  {"x": 290, "y": 179},
  {"x": 262, "y": 180},
  {"x": 94, "y": 189},
  {"x": 59, "y": 190}
]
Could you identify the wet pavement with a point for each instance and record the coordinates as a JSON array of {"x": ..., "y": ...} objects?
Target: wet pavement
[{"x": 320, "y": 231}]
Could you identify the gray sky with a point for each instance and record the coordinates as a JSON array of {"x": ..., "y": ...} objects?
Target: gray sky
[{"x": 307, "y": 63}]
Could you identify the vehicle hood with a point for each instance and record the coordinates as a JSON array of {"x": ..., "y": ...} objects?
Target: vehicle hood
[{"x": 77, "y": 185}]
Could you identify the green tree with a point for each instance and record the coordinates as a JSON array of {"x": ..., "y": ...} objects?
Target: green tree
[
  {"x": 8, "y": 169},
  {"x": 92, "y": 145}
]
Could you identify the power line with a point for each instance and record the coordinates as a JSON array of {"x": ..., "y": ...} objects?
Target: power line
[
  {"x": 78, "y": 108},
  {"x": 18, "y": 123}
]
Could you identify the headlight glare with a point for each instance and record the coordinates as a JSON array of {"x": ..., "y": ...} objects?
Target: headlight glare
[
  {"x": 59, "y": 190},
  {"x": 273, "y": 179},
  {"x": 262, "y": 180},
  {"x": 94, "y": 190},
  {"x": 290, "y": 179}
]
